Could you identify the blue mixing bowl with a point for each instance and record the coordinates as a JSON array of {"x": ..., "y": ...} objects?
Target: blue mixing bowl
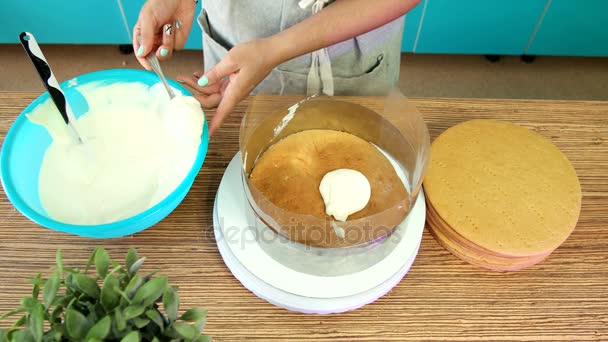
[{"x": 25, "y": 144}]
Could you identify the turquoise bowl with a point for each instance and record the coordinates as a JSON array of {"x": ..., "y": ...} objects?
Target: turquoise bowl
[{"x": 25, "y": 144}]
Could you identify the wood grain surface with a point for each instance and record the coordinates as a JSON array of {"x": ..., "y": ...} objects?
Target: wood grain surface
[{"x": 441, "y": 298}]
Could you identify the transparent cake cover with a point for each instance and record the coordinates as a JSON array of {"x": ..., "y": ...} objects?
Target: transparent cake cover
[{"x": 391, "y": 123}]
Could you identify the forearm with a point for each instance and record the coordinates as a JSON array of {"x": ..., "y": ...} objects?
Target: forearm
[{"x": 343, "y": 20}]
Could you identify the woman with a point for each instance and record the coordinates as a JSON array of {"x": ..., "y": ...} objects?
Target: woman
[{"x": 284, "y": 46}]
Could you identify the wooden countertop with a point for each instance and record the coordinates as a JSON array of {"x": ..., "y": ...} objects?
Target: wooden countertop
[{"x": 442, "y": 298}]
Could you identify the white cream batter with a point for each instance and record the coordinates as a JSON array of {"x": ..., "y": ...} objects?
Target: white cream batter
[
  {"x": 139, "y": 146},
  {"x": 344, "y": 192}
]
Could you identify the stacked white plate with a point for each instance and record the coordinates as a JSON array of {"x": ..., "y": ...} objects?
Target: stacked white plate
[{"x": 282, "y": 286}]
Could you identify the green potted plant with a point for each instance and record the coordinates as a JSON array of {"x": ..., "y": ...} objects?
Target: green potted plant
[{"x": 115, "y": 304}]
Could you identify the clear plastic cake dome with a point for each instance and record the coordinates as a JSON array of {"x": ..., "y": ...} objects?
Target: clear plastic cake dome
[{"x": 319, "y": 244}]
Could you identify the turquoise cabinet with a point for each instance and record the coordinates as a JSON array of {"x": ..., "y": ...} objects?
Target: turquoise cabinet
[
  {"x": 63, "y": 21},
  {"x": 478, "y": 26},
  {"x": 132, "y": 7},
  {"x": 572, "y": 27},
  {"x": 513, "y": 27},
  {"x": 412, "y": 22}
]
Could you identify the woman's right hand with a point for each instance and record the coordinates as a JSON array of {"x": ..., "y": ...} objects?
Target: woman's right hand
[{"x": 163, "y": 25}]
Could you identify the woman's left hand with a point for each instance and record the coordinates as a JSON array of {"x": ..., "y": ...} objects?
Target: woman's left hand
[{"x": 233, "y": 78}]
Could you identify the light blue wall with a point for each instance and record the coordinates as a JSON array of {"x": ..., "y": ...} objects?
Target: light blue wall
[
  {"x": 478, "y": 26},
  {"x": 509, "y": 27},
  {"x": 573, "y": 28},
  {"x": 412, "y": 22},
  {"x": 63, "y": 21}
]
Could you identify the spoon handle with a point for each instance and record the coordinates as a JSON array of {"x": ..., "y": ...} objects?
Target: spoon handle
[
  {"x": 155, "y": 65},
  {"x": 48, "y": 79}
]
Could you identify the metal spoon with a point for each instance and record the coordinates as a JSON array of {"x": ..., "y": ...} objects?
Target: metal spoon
[{"x": 154, "y": 63}]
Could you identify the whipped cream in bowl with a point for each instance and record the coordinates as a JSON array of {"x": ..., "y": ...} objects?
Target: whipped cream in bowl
[{"x": 141, "y": 154}]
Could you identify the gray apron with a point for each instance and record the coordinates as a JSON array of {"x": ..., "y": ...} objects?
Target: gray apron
[{"x": 365, "y": 65}]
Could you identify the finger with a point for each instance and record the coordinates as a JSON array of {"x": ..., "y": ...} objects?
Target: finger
[
  {"x": 141, "y": 60},
  {"x": 147, "y": 28},
  {"x": 165, "y": 50},
  {"x": 181, "y": 31},
  {"x": 222, "y": 69},
  {"x": 229, "y": 100},
  {"x": 191, "y": 82},
  {"x": 209, "y": 101}
]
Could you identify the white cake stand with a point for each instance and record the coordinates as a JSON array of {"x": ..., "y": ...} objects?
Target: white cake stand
[{"x": 284, "y": 287}]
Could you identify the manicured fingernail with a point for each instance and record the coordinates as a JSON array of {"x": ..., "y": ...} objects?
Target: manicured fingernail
[
  {"x": 164, "y": 52},
  {"x": 140, "y": 51},
  {"x": 180, "y": 81},
  {"x": 203, "y": 81}
]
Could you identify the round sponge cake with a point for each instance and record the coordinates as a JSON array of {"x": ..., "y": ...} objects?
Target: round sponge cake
[
  {"x": 504, "y": 190},
  {"x": 287, "y": 176}
]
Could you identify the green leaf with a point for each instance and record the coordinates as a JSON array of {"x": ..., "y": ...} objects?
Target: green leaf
[
  {"x": 136, "y": 265},
  {"x": 28, "y": 303},
  {"x": 37, "y": 281},
  {"x": 71, "y": 270},
  {"x": 156, "y": 318},
  {"x": 171, "y": 303},
  {"x": 141, "y": 322},
  {"x": 109, "y": 297},
  {"x": 72, "y": 301},
  {"x": 56, "y": 314},
  {"x": 200, "y": 324},
  {"x": 20, "y": 322},
  {"x": 36, "y": 322},
  {"x": 69, "y": 282},
  {"x": 3, "y": 334},
  {"x": 117, "y": 267},
  {"x": 102, "y": 262},
  {"x": 55, "y": 335},
  {"x": 194, "y": 314},
  {"x": 149, "y": 292},
  {"x": 50, "y": 289},
  {"x": 100, "y": 330},
  {"x": 59, "y": 262},
  {"x": 155, "y": 339},
  {"x": 133, "y": 336},
  {"x": 185, "y": 330},
  {"x": 12, "y": 313},
  {"x": 91, "y": 260},
  {"x": 86, "y": 284},
  {"x": 131, "y": 258},
  {"x": 133, "y": 311},
  {"x": 22, "y": 336},
  {"x": 94, "y": 340},
  {"x": 203, "y": 338},
  {"x": 134, "y": 284},
  {"x": 150, "y": 275},
  {"x": 123, "y": 295},
  {"x": 76, "y": 324},
  {"x": 121, "y": 323}
]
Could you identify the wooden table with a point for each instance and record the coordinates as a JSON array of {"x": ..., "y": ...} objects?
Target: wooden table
[{"x": 441, "y": 298}]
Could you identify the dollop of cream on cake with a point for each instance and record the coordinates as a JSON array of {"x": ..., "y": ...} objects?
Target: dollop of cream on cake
[{"x": 344, "y": 192}]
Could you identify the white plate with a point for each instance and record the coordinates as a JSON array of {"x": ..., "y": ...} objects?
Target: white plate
[
  {"x": 231, "y": 205},
  {"x": 298, "y": 303}
]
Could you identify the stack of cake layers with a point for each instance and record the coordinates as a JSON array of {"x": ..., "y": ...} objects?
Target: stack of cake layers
[{"x": 500, "y": 196}]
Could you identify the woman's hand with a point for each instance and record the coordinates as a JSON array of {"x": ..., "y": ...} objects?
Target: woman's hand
[
  {"x": 163, "y": 25},
  {"x": 233, "y": 78}
]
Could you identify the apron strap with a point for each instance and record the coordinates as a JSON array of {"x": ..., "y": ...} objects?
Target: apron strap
[{"x": 320, "y": 76}]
